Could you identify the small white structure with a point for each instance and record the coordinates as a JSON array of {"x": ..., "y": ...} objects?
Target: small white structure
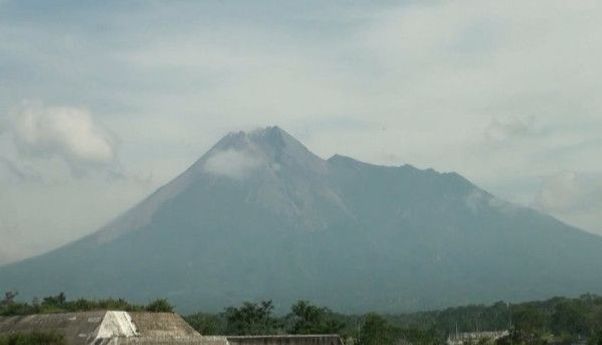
[{"x": 475, "y": 337}]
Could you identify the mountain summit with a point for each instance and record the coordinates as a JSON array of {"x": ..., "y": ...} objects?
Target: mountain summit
[{"x": 259, "y": 216}]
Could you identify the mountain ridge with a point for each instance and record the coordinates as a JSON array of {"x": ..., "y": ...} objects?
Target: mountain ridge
[{"x": 259, "y": 216}]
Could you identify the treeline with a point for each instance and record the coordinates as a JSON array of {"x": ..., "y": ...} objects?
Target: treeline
[
  {"x": 553, "y": 321},
  {"x": 258, "y": 318},
  {"x": 59, "y": 304},
  {"x": 306, "y": 318}
]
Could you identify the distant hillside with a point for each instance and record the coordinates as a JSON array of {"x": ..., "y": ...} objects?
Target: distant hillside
[{"x": 261, "y": 217}]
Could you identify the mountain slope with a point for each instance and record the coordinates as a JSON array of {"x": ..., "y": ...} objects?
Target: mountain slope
[{"x": 260, "y": 216}]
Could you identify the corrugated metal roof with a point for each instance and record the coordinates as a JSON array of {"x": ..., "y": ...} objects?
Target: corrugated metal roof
[
  {"x": 193, "y": 340},
  {"x": 110, "y": 328},
  {"x": 77, "y": 328},
  {"x": 162, "y": 325}
]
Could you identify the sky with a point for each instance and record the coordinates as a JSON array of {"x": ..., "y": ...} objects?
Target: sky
[{"x": 102, "y": 102}]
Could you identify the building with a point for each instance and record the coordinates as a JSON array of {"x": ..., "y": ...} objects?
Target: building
[
  {"x": 318, "y": 339},
  {"x": 475, "y": 337}
]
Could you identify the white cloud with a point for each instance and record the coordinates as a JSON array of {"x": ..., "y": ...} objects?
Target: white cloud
[
  {"x": 500, "y": 130},
  {"x": 15, "y": 172},
  {"x": 69, "y": 133},
  {"x": 476, "y": 199},
  {"x": 570, "y": 192},
  {"x": 573, "y": 197},
  {"x": 236, "y": 164}
]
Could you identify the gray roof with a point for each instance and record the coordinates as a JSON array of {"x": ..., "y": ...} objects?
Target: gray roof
[
  {"x": 77, "y": 328},
  {"x": 162, "y": 325},
  {"x": 194, "y": 340},
  {"x": 111, "y": 328}
]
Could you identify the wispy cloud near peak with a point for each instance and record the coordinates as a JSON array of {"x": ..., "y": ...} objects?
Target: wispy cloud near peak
[{"x": 236, "y": 164}]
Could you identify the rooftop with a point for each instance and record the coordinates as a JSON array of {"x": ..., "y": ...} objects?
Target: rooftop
[{"x": 110, "y": 327}]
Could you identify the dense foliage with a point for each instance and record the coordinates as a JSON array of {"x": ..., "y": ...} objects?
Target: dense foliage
[
  {"x": 306, "y": 318},
  {"x": 59, "y": 303},
  {"x": 557, "y": 320},
  {"x": 252, "y": 319}
]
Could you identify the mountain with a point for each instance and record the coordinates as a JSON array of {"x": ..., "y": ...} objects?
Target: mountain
[{"x": 261, "y": 217}]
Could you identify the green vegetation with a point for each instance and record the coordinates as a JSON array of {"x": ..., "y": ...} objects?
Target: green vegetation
[
  {"x": 207, "y": 324},
  {"x": 251, "y": 318},
  {"x": 258, "y": 318},
  {"x": 555, "y": 321},
  {"x": 59, "y": 304},
  {"x": 309, "y": 319},
  {"x": 160, "y": 305},
  {"x": 376, "y": 330}
]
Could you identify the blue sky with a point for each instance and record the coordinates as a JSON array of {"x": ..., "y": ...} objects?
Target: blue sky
[{"x": 102, "y": 102}]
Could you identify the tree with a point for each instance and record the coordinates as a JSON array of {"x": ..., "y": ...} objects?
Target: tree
[
  {"x": 251, "y": 319},
  {"x": 54, "y": 302},
  {"x": 528, "y": 320},
  {"x": 415, "y": 335},
  {"x": 9, "y": 297},
  {"x": 569, "y": 318},
  {"x": 306, "y": 318},
  {"x": 377, "y": 331},
  {"x": 160, "y": 305},
  {"x": 595, "y": 339},
  {"x": 206, "y": 324}
]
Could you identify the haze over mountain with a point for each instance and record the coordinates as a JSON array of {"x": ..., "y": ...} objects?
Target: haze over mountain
[{"x": 261, "y": 217}]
